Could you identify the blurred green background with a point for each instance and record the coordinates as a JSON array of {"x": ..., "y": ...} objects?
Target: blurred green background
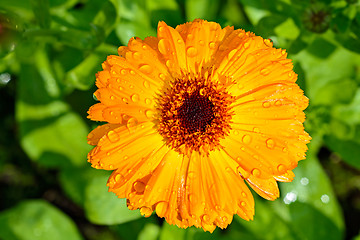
[{"x": 50, "y": 51}]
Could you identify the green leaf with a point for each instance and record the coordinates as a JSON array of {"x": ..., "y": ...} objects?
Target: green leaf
[
  {"x": 167, "y": 11},
  {"x": 268, "y": 222},
  {"x": 204, "y": 9},
  {"x": 50, "y": 132},
  {"x": 36, "y": 219},
  {"x": 344, "y": 131},
  {"x": 103, "y": 207},
  {"x": 74, "y": 181},
  {"x": 149, "y": 232},
  {"x": 325, "y": 76},
  {"x": 172, "y": 232},
  {"x": 312, "y": 194},
  {"x": 41, "y": 11}
]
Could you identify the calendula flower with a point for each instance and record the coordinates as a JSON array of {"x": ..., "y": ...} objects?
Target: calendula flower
[{"x": 192, "y": 115}]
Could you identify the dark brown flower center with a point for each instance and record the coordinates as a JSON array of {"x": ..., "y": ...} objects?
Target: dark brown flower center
[{"x": 196, "y": 113}]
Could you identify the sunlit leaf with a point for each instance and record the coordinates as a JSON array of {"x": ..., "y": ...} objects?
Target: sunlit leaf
[
  {"x": 36, "y": 219},
  {"x": 103, "y": 207}
]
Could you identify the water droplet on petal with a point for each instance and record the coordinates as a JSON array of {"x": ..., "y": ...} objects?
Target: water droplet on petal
[
  {"x": 270, "y": 143},
  {"x": 240, "y": 86},
  {"x": 246, "y": 139},
  {"x": 163, "y": 46},
  {"x": 148, "y": 101},
  {"x": 212, "y": 45},
  {"x": 278, "y": 103},
  {"x": 113, "y": 136},
  {"x": 256, "y": 172},
  {"x": 137, "y": 55},
  {"x": 191, "y": 51},
  {"x": 190, "y": 36},
  {"x": 266, "y": 104},
  {"x": 132, "y": 72},
  {"x": 281, "y": 168},
  {"x": 146, "y": 84},
  {"x": 201, "y": 43},
  {"x": 206, "y": 218},
  {"x": 161, "y": 208},
  {"x": 235, "y": 132},
  {"x": 131, "y": 124},
  {"x": 246, "y": 45},
  {"x": 150, "y": 114},
  {"x": 145, "y": 211},
  {"x": 162, "y": 76},
  {"x": 192, "y": 198},
  {"x": 256, "y": 130},
  {"x": 264, "y": 71},
  {"x": 147, "y": 69},
  {"x": 117, "y": 177},
  {"x": 243, "y": 204},
  {"x": 135, "y": 97},
  {"x": 139, "y": 186},
  {"x": 123, "y": 71},
  {"x": 243, "y": 194}
]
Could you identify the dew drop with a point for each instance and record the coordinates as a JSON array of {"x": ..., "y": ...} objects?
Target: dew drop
[
  {"x": 266, "y": 104},
  {"x": 161, "y": 208},
  {"x": 256, "y": 130},
  {"x": 256, "y": 172},
  {"x": 163, "y": 46},
  {"x": 162, "y": 76},
  {"x": 270, "y": 143},
  {"x": 147, "y": 69},
  {"x": 161, "y": 29},
  {"x": 148, "y": 101},
  {"x": 281, "y": 168},
  {"x": 192, "y": 198},
  {"x": 117, "y": 177},
  {"x": 112, "y": 97},
  {"x": 201, "y": 43},
  {"x": 149, "y": 114},
  {"x": 243, "y": 194},
  {"x": 146, "y": 84},
  {"x": 139, "y": 186},
  {"x": 246, "y": 45},
  {"x": 135, "y": 97},
  {"x": 145, "y": 211},
  {"x": 123, "y": 71},
  {"x": 246, "y": 139},
  {"x": 212, "y": 45},
  {"x": 125, "y": 100},
  {"x": 264, "y": 71},
  {"x": 243, "y": 204},
  {"x": 235, "y": 132},
  {"x": 278, "y": 103},
  {"x": 191, "y": 51},
  {"x": 190, "y": 36},
  {"x": 179, "y": 41},
  {"x": 240, "y": 86},
  {"x": 228, "y": 169},
  {"x": 137, "y": 55},
  {"x": 206, "y": 218},
  {"x": 131, "y": 124},
  {"x": 113, "y": 136},
  {"x": 111, "y": 166}
]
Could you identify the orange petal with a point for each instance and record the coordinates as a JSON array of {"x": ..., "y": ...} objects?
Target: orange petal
[
  {"x": 95, "y": 135},
  {"x": 267, "y": 188},
  {"x": 122, "y": 147}
]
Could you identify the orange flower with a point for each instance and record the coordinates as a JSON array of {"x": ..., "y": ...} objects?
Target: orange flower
[{"x": 191, "y": 114}]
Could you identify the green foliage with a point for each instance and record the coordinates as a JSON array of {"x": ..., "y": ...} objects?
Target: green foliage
[{"x": 49, "y": 54}]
